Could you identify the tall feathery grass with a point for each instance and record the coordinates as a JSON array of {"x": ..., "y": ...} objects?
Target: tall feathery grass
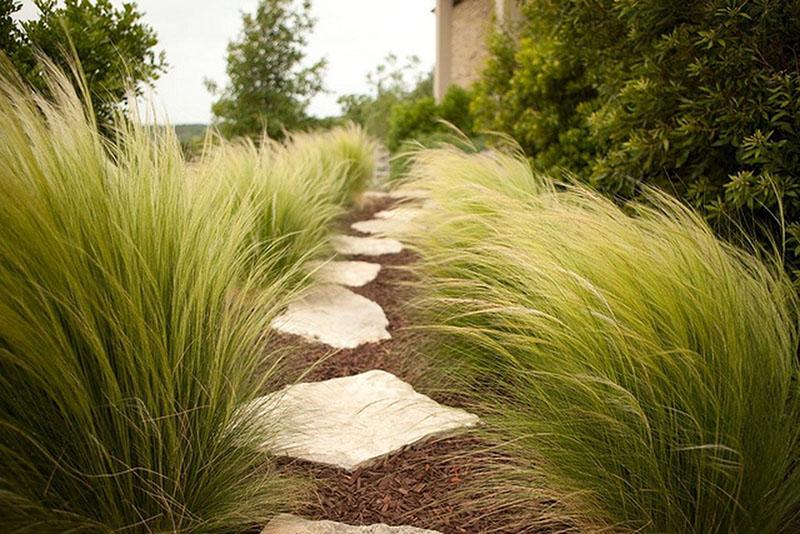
[
  {"x": 126, "y": 348},
  {"x": 293, "y": 213},
  {"x": 299, "y": 188},
  {"x": 346, "y": 155},
  {"x": 640, "y": 371}
]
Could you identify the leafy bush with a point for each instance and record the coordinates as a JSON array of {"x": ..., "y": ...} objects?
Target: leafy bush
[
  {"x": 135, "y": 293},
  {"x": 698, "y": 98},
  {"x": 391, "y": 83},
  {"x": 419, "y": 118},
  {"x": 642, "y": 370},
  {"x": 112, "y": 44}
]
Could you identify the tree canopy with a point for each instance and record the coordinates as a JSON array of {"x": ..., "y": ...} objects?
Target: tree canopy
[
  {"x": 269, "y": 84},
  {"x": 116, "y": 50}
]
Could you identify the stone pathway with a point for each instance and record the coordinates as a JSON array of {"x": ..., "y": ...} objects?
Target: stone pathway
[
  {"x": 346, "y": 273},
  {"x": 285, "y": 524},
  {"x": 335, "y": 316},
  {"x": 353, "y": 421},
  {"x": 365, "y": 246}
]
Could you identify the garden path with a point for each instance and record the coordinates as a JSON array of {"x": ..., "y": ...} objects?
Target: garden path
[{"x": 381, "y": 451}]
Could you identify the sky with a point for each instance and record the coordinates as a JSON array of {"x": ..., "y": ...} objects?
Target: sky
[{"x": 353, "y": 35}]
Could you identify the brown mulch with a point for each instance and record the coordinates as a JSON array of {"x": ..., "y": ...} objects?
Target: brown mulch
[
  {"x": 399, "y": 355},
  {"x": 421, "y": 485}
]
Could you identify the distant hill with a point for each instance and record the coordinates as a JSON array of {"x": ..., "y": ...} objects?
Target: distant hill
[{"x": 189, "y": 133}]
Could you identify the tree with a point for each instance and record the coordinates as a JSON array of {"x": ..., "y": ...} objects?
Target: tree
[
  {"x": 116, "y": 50},
  {"x": 268, "y": 88},
  {"x": 390, "y": 84}
]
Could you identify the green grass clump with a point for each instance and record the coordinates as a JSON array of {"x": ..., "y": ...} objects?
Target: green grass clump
[
  {"x": 293, "y": 212},
  {"x": 346, "y": 155},
  {"x": 125, "y": 351},
  {"x": 640, "y": 370}
]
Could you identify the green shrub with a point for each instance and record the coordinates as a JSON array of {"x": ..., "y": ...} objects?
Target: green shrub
[
  {"x": 698, "y": 98},
  {"x": 415, "y": 119},
  {"x": 131, "y": 331},
  {"x": 390, "y": 84},
  {"x": 640, "y": 369},
  {"x": 535, "y": 90}
]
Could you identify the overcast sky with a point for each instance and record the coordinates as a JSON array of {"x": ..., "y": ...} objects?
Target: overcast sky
[{"x": 354, "y": 36}]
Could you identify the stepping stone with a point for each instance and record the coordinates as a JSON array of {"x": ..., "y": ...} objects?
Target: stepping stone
[
  {"x": 290, "y": 524},
  {"x": 394, "y": 222},
  {"x": 351, "y": 421},
  {"x": 335, "y": 316},
  {"x": 403, "y": 213},
  {"x": 345, "y": 273},
  {"x": 388, "y": 227},
  {"x": 365, "y": 246}
]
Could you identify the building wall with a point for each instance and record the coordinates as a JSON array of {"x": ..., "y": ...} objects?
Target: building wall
[{"x": 471, "y": 24}]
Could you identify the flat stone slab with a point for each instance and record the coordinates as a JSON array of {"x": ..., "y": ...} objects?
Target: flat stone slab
[
  {"x": 388, "y": 227},
  {"x": 365, "y": 246},
  {"x": 351, "y": 421},
  {"x": 345, "y": 273},
  {"x": 335, "y": 316},
  {"x": 402, "y": 213},
  {"x": 290, "y": 524}
]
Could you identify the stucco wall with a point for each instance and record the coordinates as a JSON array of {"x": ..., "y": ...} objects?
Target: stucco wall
[{"x": 472, "y": 20}]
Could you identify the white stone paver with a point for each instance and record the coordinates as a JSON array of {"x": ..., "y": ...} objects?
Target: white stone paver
[
  {"x": 346, "y": 273},
  {"x": 386, "y": 227},
  {"x": 393, "y": 222},
  {"x": 290, "y": 524},
  {"x": 336, "y": 316},
  {"x": 401, "y": 213},
  {"x": 349, "y": 422},
  {"x": 365, "y": 246}
]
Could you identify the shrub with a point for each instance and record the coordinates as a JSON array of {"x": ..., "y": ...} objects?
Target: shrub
[
  {"x": 129, "y": 333},
  {"x": 640, "y": 368},
  {"x": 415, "y": 119},
  {"x": 698, "y": 98},
  {"x": 112, "y": 43},
  {"x": 390, "y": 83}
]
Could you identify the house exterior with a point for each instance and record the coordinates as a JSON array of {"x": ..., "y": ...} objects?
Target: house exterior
[{"x": 462, "y": 30}]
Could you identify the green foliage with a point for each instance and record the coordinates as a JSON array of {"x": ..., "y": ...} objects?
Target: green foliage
[
  {"x": 412, "y": 119},
  {"x": 391, "y": 84},
  {"x": 114, "y": 47},
  {"x": 640, "y": 373},
  {"x": 268, "y": 88},
  {"x": 698, "y": 98},
  {"x": 191, "y": 137},
  {"x": 346, "y": 160},
  {"x": 535, "y": 90},
  {"x": 136, "y": 291},
  {"x": 11, "y": 36}
]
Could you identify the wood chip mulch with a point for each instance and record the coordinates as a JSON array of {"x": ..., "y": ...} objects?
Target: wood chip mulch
[{"x": 422, "y": 485}]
